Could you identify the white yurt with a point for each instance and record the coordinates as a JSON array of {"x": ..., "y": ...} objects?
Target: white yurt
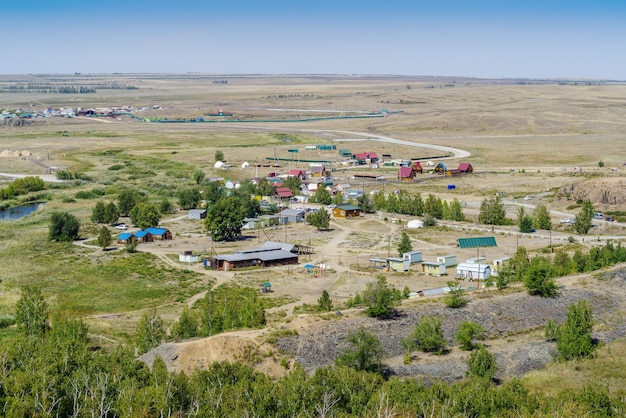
[
  {"x": 219, "y": 164},
  {"x": 245, "y": 164},
  {"x": 415, "y": 223}
]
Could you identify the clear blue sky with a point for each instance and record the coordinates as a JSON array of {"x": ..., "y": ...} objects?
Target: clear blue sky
[{"x": 503, "y": 38}]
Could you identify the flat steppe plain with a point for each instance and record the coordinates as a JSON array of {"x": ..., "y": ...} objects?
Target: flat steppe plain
[{"x": 523, "y": 138}]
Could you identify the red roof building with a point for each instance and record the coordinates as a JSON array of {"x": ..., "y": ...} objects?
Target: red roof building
[
  {"x": 283, "y": 193},
  {"x": 406, "y": 173},
  {"x": 466, "y": 168},
  {"x": 363, "y": 156},
  {"x": 301, "y": 174}
]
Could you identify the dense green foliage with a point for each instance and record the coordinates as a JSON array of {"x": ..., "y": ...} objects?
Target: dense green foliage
[
  {"x": 524, "y": 221},
  {"x": 57, "y": 374},
  {"x": 364, "y": 352},
  {"x": 467, "y": 332},
  {"x": 145, "y": 215},
  {"x": 380, "y": 299},
  {"x": 322, "y": 196},
  {"x": 22, "y": 186},
  {"x": 364, "y": 203},
  {"x": 428, "y": 334},
  {"x": 64, "y": 227},
  {"x": 583, "y": 219},
  {"x": 104, "y": 237},
  {"x": 481, "y": 364},
  {"x": 31, "y": 312},
  {"x": 325, "y": 303},
  {"x": 573, "y": 338},
  {"x": 407, "y": 204},
  {"x": 189, "y": 198},
  {"x": 538, "y": 278},
  {"x": 105, "y": 213},
  {"x": 227, "y": 308},
  {"x": 542, "y": 218},
  {"x": 492, "y": 212},
  {"x": 225, "y": 219},
  {"x": 150, "y": 331},
  {"x": 456, "y": 297},
  {"x": 404, "y": 245},
  {"x": 319, "y": 219}
]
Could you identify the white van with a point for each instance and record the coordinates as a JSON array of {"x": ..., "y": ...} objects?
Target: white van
[{"x": 598, "y": 215}]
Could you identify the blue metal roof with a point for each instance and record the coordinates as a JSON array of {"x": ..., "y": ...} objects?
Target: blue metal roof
[
  {"x": 156, "y": 231},
  {"x": 124, "y": 236},
  {"x": 141, "y": 233}
]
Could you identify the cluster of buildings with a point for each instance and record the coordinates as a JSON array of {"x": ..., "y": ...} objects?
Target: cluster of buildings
[{"x": 145, "y": 235}]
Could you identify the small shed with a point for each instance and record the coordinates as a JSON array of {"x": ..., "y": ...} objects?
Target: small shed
[
  {"x": 398, "y": 264},
  {"x": 301, "y": 174},
  {"x": 196, "y": 214},
  {"x": 433, "y": 269},
  {"x": 292, "y": 215},
  {"x": 406, "y": 173},
  {"x": 346, "y": 211},
  {"x": 188, "y": 257},
  {"x": 251, "y": 223},
  {"x": 265, "y": 287},
  {"x": 413, "y": 256},
  {"x": 378, "y": 263},
  {"x": 441, "y": 169},
  {"x": 465, "y": 168},
  {"x": 498, "y": 264},
  {"x": 472, "y": 271},
  {"x": 448, "y": 260}
]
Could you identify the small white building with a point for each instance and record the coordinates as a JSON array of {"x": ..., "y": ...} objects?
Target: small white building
[
  {"x": 188, "y": 257},
  {"x": 196, "y": 214},
  {"x": 472, "y": 271},
  {"x": 448, "y": 260}
]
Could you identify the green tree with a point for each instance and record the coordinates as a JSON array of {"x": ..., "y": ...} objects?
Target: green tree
[
  {"x": 97, "y": 213},
  {"x": 379, "y": 298},
  {"x": 524, "y": 221},
  {"x": 189, "y": 198},
  {"x": 166, "y": 206},
  {"x": 293, "y": 183},
  {"x": 542, "y": 218},
  {"x": 198, "y": 176},
  {"x": 583, "y": 219},
  {"x": 433, "y": 206},
  {"x": 481, "y": 364},
  {"x": 225, "y": 219},
  {"x": 104, "y": 237},
  {"x": 492, "y": 212},
  {"x": 319, "y": 219},
  {"x": 429, "y": 335},
  {"x": 150, "y": 331},
  {"x": 574, "y": 336},
  {"x": 455, "y": 298},
  {"x": 455, "y": 211},
  {"x": 364, "y": 352},
  {"x": 325, "y": 303},
  {"x": 322, "y": 196},
  {"x": 214, "y": 192},
  {"x": 187, "y": 325},
  {"x": 538, "y": 278},
  {"x": 31, "y": 312},
  {"x": 64, "y": 227},
  {"x": 467, "y": 332},
  {"x": 111, "y": 213},
  {"x": 365, "y": 204},
  {"x": 219, "y": 155},
  {"x": 127, "y": 201},
  {"x": 337, "y": 199},
  {"x": 145, "y": 215},
  {"x": 404, "y": 246}
]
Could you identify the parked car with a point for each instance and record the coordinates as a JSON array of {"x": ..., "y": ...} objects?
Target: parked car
[
  {"x": 122, "y": 227},
  {"x": 598, "y": 215},
  {"x": 565, "y": 220},
  {"x": 609, "y": 219},
  {"x": 528, "y": 197}
]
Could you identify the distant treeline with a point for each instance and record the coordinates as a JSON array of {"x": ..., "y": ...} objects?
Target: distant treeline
[{"x": 48, "y": 88}]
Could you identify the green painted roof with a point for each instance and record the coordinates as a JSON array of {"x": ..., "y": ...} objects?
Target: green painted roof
[{"x": 477, "y": 242}]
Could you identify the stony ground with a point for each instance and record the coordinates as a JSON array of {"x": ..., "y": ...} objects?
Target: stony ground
[{"x": 514, "y": 322}]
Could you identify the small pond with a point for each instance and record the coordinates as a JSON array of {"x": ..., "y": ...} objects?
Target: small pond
[{"x": 18, "y": 212}]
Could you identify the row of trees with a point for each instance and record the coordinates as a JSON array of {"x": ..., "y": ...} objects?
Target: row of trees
[
  {"x": 492, "y": 212},
  {"x": 407, "y": 204},
  {"x": 225, "y": 308},
  {"x": 22, "y": 186},
  {"x": 48, "y": 368},
  {"x": 538, "y": 273}
]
